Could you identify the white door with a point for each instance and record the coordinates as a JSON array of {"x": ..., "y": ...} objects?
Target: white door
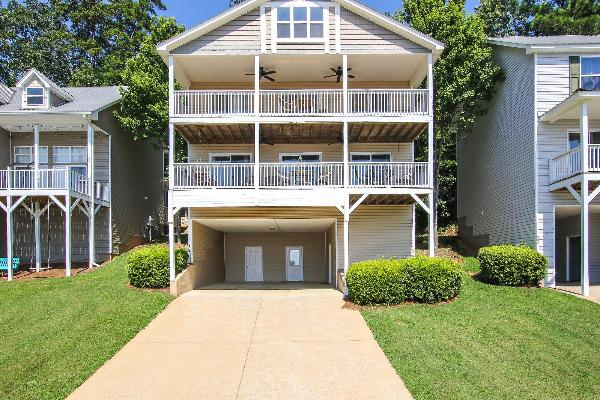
[
  {"x": 294, "y": 260},
  {"x": 254, "y": 264}
]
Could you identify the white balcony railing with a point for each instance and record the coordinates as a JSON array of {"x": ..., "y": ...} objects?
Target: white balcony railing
[
  {"x": 389, "y": 174},
  {"x": 300, "y": 175},
  {"x": 51, "y": 179},
  {"x": 569, "y": 164},
  {"x": 214, "y": 103},
  {"x": 308, "y": 102}
]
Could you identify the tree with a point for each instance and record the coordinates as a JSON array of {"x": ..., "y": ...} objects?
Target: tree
[
  {"x": 233, "y": 3},
  {"x": 465, "y": 78},
  {"x": 504, "y": 17},
  {"x": 144, "y": 107}
]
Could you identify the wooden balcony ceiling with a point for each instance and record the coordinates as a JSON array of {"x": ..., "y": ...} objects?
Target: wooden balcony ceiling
[
  {"x": 384, "y": 199},
  {"x": 302, "y": 133}
]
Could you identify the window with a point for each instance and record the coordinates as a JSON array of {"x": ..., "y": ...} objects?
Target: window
[
  {"x": 371, "y": 157},
  {"x": 575, "y": 139},
  {"x": 70, "y": 154},
  {"x": 300, "y": 157},
  {"x": 231, "y": 158},
  {"x": 590, "y": 73},
  {"x": 34, "y": 97},
  {"x": 300, "y": 23},
  {"x": 24, "y": 155}
]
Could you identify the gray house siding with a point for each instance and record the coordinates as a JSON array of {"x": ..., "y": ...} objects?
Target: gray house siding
[
  {"x": 137, "y": 181},
  {"x": 496, "y": 161}
]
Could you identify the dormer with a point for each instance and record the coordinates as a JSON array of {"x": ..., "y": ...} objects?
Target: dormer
[{"x": 38, "y": 92}]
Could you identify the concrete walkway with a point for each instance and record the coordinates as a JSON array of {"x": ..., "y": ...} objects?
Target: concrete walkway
[{"x": 250, "y": 344}]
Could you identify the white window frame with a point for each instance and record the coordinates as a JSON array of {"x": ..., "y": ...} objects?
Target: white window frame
[
  {"x": 211, "y": 156},
  {"x": 300, "y": 154},
  {"x": 26, "y": 97},
  {"x": 299, "y": 4},
  {"x": 31, "y": 155},
  {"x": 581, "y": 75},
  {"x": 70, "y": 162},
  {"x": 570, "y": 131},
  {"x": 370, "y": 154}
]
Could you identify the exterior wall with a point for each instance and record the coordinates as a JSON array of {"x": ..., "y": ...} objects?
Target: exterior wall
[
  {"x": 241, "y": 35},
  {"x": 208, "y": 255},
  {"x": 333, "y": 152},
  {"x": 552, "y": 142},
  {"x": 274, "y": 257},
  {"x": 52, "y": 139},
  {"x": 496, "y": 161},
  {"x": 137, "y": 181},
  {"x": 391, "y": 225},
  {"x": 267, "y": 85},
  {"x": 552, "y": 72},
  {"x": 4, "y": 162},
  {"x": 331, "y": 241},
  {"x": 571, "y": 226}
]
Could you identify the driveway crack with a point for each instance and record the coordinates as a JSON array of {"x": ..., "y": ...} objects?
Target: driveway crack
[{"x": 237, "y": 394}]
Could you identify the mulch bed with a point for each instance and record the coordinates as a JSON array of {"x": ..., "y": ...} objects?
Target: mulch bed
[{"x": 54, "y": 272}]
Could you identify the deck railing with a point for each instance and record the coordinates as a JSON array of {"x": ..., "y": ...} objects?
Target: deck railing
[
  {"x": 389, "y": 174},
  {"x": 51, "y": 179},
  {"x": 307, "y": 102},
  {"x": 300, "y": 175},
  {"x": 569, "y": 164}
]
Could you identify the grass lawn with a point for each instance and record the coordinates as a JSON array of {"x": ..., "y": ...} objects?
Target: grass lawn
[
  {"x": 494, "y": 343},
  {"x": 56, "y": 332}
]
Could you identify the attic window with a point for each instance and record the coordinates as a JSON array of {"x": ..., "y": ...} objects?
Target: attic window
[
  {"x": 300, "y": 23},
  {"x": 34, "y": 97}
]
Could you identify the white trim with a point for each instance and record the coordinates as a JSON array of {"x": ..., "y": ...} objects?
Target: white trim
[
  {"x": 263, "y": 29},
  {"x": 576, "y": 195},
  {"x": 536, "y": 189},
  {"x": 335, "y": 275},
  {"x": 273, "y": 29},
  {"x": 549, "y": 48},
  {"x": 326, "y": 30},
  {"x": 370, "y": 154},
  {"x": 358, "y": 203},
  {"x": 338, "y": 29},
  {"x": 300, "y": 154},
  {"x": 262, "y": 263},
  {"x": 212, "y": 155},
  {"x": 581, "y": 75}
]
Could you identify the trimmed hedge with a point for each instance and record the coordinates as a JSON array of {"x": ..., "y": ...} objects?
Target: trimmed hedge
[
  {"x": 394, "y": 281},
  {"x": 510, "y": 265},
  {"x": 148, "y": 266}
]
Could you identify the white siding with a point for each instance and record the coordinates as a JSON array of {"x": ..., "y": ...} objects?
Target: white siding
[
  {"x": 496, "y": 161},
  {"x": 552, "y": 74}
]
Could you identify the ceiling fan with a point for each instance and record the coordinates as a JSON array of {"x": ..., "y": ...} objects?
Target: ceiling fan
[
  {"x": 339, "y": 73},
  {"x": 264, "y": 74}
]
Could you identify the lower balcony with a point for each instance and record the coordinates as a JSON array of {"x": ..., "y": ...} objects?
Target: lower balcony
[
  {"x": 570, "y": 164},
  {"x": 49, "y": 181},
  {"x": 300, "y": 175}
]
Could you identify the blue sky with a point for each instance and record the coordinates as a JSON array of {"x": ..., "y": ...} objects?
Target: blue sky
[{"x": 192, "y": 12}]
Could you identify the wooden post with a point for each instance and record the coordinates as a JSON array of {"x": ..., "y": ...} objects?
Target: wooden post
[
  {"x": 91, "y": 192},
  {"x": 9, "y": 237},
  {"x": 68, "y": 250},
  {"x": 585, "y": 207},
  {"x": 38, "y": 236}
]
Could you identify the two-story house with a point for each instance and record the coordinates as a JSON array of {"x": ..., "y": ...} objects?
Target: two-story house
[
  {"x": 529, "y": 170},
  {"x": 72, "y": 182},
  {"x": 300, "y": 118}
]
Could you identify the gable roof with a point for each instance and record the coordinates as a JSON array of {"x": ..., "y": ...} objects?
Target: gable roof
[
  {"x": 85, "y": 100},
  {"x": 5, "y": 94},
  {"x": 551, "y": 44},
  {"x": 352, "y": 5},
  {"x": 47, "y": 82}
]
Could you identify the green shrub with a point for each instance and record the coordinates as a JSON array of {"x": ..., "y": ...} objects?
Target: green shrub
[
  {"x": 394, "y": 281},
  {"x": 148, "y": 266},
  {"x": 510, "y": 265}
]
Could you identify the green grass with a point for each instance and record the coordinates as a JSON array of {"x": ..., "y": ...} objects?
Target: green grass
[
  {"x": 494, "y": 343},
  {"x": 54, "y": 333}
]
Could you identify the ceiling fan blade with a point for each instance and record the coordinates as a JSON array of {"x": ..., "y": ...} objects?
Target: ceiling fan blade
[
  {"x": 334, "y": 70},
  {"x": 249, "y": 74},
  {"x": 349, "y": 69},
  {"x": 269, "y": 73},
  {"x": 351, "y": 76},
  {"x": 329, "y": 76},
  {"x": 269, "y": 78}
]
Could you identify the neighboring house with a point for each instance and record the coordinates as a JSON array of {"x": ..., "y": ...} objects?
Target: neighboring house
[
  {"x": 525, "y": 172},
  {"x": 58, "y": 145},
  {"x": 300, "y": 119}
]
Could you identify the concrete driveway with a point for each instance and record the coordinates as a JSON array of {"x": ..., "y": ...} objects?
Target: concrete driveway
[{"x": 250, "y": 344}]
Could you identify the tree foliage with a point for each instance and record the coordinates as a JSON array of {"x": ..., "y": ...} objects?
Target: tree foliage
[
  {"x": 76, "y": 42},
  {"x": 465, "y": 78}
]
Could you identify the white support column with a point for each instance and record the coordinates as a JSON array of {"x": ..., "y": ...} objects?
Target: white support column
[
  {"x": 431, "y": 218},
  {"x": 9, "y": 237},
  {"x": 256, "y": 156},
  {"x": 38, "y": 236},
  {"x": 36, "y": 155},
  {"x": 345, "y": 82},
  {"x": 171, "y": 86},
  {"x": 257, "y": 85},
  {"x": 170, "y": 216},
  {"x": 585, "y": 207},
  {"x": 68, "y": 250},
  {"x": 430, "y": 158},
  {"x": 346, "y": 147},
  {"x": 91, "y": 192},
  {"x": 346, "y": 234},
  {"x": 110, "y": 215}
]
